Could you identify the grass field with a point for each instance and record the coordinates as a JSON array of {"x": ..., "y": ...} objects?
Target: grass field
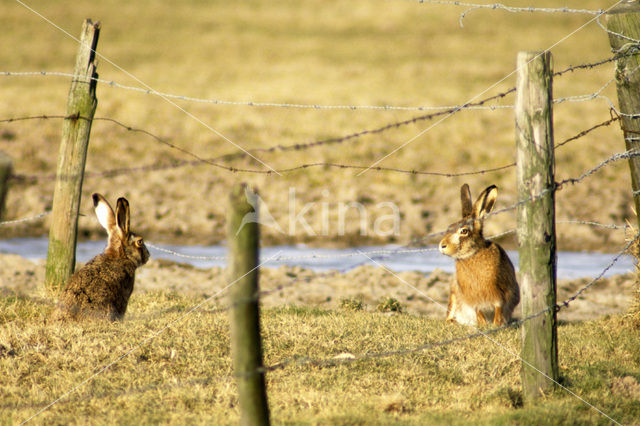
[
  {"x": 399, "y": 53},
  {"x": 177, "y": 369},
  {"x": 168, "y": 367}
]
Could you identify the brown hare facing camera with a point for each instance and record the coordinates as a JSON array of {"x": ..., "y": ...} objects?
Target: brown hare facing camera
[
  {"x": 101, "y": 288},
  {"x": 485, "y": 277}
]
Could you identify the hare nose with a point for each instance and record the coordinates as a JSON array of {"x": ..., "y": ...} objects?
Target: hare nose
[{"x": 442, "y": 247}]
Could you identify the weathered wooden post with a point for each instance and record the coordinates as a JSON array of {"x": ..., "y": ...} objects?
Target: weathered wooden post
[
  {"x": 536, "y": 222},
  {"x": 81, "y": 106},
  {"x": 6, "y": 167},
  {"x": 623, "y": 22},
  {"x": 246, "y": 348}
]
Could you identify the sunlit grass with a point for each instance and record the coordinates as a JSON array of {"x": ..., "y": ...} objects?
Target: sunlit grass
[{"x": 163, "y": 366}]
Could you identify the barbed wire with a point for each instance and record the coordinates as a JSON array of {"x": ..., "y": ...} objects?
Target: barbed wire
[
  {"x": 589, "y": 130},
  {"x": 344, "y": 358},
  {"x": 514, "y": 9},
  {"x": 301, "y": 146},
  {"x": 386, "y": 253},
  {"x": 634, "y": 44},
  {"x": 184, "y": 256},
  {"x": 408, "y": 247},
  {"x": 25, "y": 219},
  {"x": 227, "y": 157},
  {"x": 248, "y": 103},
  {"x": 594, "y": 224},
  {"x": 315, "y": 106},
  {"x": 311, "y": 256},
  {"x": 375, "y": 256},
  {"x": 588, "y": 97},
  {"x": 348, "y": 358},
  {"x": 556, "y": 307},
  {"x": 553, "y": 188},
  {"x": 627, "y": 155}
]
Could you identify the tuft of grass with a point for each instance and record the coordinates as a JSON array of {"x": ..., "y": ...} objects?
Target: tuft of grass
[
  {"x": 351, "y": 304},
  {"x": 163, "y": 367},
  {"x": 389, "y": 304},
  {"x": 634, "y": 250}
]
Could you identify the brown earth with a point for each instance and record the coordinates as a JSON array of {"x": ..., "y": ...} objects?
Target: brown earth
[{"x": 417, "y": 293}]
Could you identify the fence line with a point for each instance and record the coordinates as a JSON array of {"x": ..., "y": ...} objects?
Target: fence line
[
  {"x": 405, "y": 249},
  {"x": 614, "y": 158},
  {"x": 558, "y": 185},
  {"x": 336, "y": 361},
  {"x": 451, "y": 108},
  {"x": 588, "y": 97},
  {"x": 589, "y": 130},
  {"x": 512, "y": 9},
  {"x": 25, "y": 219},
  {"x": 630, "y": 48},
  {"x": 241, "y": 154},
  {"x": 329, "y": 274},
  {"x": 342, "y": 139},
  {"x": 343, "y": 358},
  {"x": 557, "y": 307},
  {"x": 300, "y": 146},
  {"x": 255, "y": 103},
  {"x": 248, "y": 103},
  {"x": 315, "y": 106},
  {"x": 515, "y": 9}
]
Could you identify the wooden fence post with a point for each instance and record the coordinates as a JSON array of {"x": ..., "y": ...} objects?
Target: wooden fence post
[
  {"x": 6, "y": 167},
  {"x": 624, "y": 21},
  {"x": 536, "y": 222},
  {"x": 81, "y": 106},
  {"x": 246, "y": 348}
]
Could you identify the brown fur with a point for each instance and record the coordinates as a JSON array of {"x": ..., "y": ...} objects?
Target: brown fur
[
  {"x": 485, "y": 277},
  {"x": 102, "y": 287}
]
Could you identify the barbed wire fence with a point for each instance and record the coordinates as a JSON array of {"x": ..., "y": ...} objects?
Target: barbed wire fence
[
  {"x": 352, "y": 137},
  {"x": 374, "y": 255}
]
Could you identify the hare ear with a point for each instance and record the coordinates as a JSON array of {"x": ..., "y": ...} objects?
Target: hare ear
[
  {"x": 485, "y": 202},
  {"x": 104, "y": 213},
  {"x": 465, "y": 200},
  {"x": 122, "y": 215}
]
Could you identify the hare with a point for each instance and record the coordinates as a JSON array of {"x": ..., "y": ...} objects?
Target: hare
[
  {"x": 101, "y": 288},
  {"x": 485, "y": 277}
]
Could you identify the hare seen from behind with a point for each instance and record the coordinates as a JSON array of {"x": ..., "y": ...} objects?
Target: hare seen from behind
[
  {"x": 101, "y": 288},
  {"x": 485, "y": 277}
]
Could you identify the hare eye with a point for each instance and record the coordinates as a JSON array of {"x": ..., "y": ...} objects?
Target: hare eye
[
  {"x": 464, "y": 231},
  {"x": 138, "y": 243}
]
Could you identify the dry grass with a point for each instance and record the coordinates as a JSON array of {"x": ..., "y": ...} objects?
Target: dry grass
[
  {"x": 324, "y": 52},
  {"x": 321, "y": 52},
  {"x": 184, "y": 373},
  {"x": 634, "y": 250}
]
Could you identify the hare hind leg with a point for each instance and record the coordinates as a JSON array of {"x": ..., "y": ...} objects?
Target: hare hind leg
[
  {"x": 498, "y": 317},
  {"x": 482, "y": 321}
]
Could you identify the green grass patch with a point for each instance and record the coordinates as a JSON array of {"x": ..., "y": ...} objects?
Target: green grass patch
[{"x": 160, "y": 365}]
